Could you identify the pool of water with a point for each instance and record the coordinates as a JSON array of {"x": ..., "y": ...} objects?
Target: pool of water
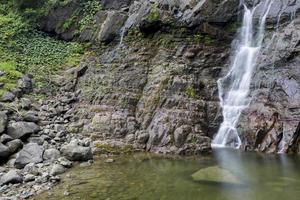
[{"x": 147, "y": 176}]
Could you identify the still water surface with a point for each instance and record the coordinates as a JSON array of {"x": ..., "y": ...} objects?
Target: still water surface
[{"x": 152, "y": 177}]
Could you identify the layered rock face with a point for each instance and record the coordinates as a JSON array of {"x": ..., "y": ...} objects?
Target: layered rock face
[
  {"x": 270, "y": 122},
  {"x": 157, "y": 89}
]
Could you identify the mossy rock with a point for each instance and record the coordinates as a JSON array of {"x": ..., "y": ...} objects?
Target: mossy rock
[{"x": 216, "y": 174}]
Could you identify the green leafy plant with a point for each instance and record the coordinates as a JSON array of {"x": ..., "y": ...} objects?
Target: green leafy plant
[{"x": 190, "y": 92}]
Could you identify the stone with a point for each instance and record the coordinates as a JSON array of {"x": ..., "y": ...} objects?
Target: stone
[
  {"x": 36, "y": 139},
  {"x": 25, "y": 84},
  {"x": 12, "y": 176},
  {"x": 215, "y": 174},
  {"x": 57, "y": 169},
  {"x": 14, "y": 145},
  {"x": 85, "y": 164},
  {"x": 31, "y": 153},
  {"x": 51, "y": 154},
  {"x": 65, "y": 162},
  {"x": 29, "y": 177},
  {"x": 8, "y": 97},
  {"x": 180, "y": 135},
  {"x": 31, "y": 116},
  {"x": 3, "y": 121},
  {"x": 74, "y": 152},
  {"x": 22, "y": 130},
  {"x": 109, "y": 160},
  {"x": 5, "y": 138},
  {"x": 143, "y": 137},
  {"x": 4, "y": 151},
  {"x": 31, "y": 168},
  {"x": 130, "y": 138}
]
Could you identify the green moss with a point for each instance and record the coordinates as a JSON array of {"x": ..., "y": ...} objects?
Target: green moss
[
  {"x": 190, "y": 92},
  {"x": 108, "y": 149},
  {"x": 87, "y": 14},
  {"x": 154, "y": 13},
  {"x": 10, "y": 76}
]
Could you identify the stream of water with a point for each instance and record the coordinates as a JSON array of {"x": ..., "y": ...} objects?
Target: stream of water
[{"x": 235, "y": 85}]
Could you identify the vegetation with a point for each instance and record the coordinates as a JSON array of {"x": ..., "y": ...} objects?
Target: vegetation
[
  {"x": 190, "y": 92},
  {"x": 23, "y": 49},
  {"x": 154, "y": 14}
]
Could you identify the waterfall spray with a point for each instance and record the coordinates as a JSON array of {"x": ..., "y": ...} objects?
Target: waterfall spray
[{"x": 235, "y": 86}]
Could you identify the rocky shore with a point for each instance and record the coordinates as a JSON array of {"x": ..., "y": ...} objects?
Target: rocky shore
[
  {"x": 149, "y": 84},
  {"x": 38, "y": 140}
]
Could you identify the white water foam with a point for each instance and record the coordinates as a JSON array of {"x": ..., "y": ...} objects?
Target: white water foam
[{"x": 234, "y": 87}]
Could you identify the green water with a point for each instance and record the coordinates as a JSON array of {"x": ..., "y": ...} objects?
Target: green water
[{"x": 144, "y": 176}]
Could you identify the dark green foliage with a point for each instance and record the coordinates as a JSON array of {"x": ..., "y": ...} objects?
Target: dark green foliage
[{"x": 25, "y": 50}]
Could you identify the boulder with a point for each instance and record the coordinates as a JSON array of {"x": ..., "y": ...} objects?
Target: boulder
[
  {"x": 74, "y": 152},
  {"x": 29, "y": 177},
  {"x": 65, "y": 162},
  {"x": 4, "y": 151},
  {"x": 51, "y": 154},
  {"x": 3, "y": 121},
  {"x": 8, "y": 97},
  {"x": 215, "y": 174},
  {"x": 5, "y": 138},
  {"x": 11, "y": 177},
  {"x": 31, "y": 153},
  {"x": 31, "y": 116},
  {"x": 57, "y": 169},
  {"x": 14, "y": 145},
  {"x": 25, "y": 84},
  {"x": 21, "y": 130}
]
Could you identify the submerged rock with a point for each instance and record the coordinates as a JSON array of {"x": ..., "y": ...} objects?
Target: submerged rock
[{"x": 215, "y": 174}]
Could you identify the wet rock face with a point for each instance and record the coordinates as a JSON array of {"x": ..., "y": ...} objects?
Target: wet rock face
[
  {"x": 155, "y": 97},
  {"x": 271, "y": 121}
]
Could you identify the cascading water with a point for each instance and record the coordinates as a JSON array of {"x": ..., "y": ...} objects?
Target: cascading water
[{"x": 234, "y": 87}]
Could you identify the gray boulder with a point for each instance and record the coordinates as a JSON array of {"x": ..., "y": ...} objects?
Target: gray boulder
[
  {"x": 3, "y": 121},
  {"x": 4, "y": 151},
  {"x": 57, "y": 169},
  {"x": 51, "y": 154},
  {"x": 5, "y": 138},
  {"x": 25, "y": 84},
  {"x": 11, "y": 177},
  {"x": 31, "y": 116},
  {"x": 8, "y": 97},
  {"x": 74, "y": 152},
  {"x": 21, "y": 130},
  {"x": 31, "y": 153},
  {"x": 14, "y": 145}
]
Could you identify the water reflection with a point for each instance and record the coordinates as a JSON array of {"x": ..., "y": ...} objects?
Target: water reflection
[{"x": 246, "y": 176}]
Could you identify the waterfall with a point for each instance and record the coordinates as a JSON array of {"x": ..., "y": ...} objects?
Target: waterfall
[{"x": 234, "y": 87}]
